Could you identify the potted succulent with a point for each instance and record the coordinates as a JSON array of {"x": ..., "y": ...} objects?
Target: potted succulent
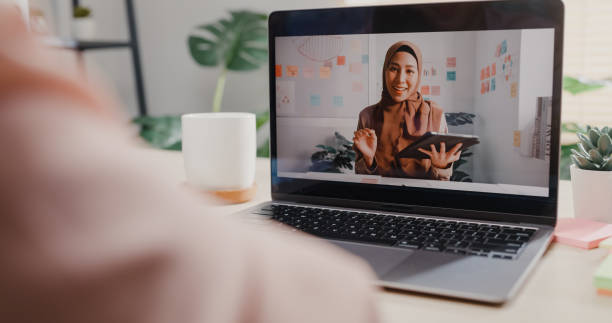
[
  {"x": 592, "y": 174},
  {"x": 83, "y": 25}
]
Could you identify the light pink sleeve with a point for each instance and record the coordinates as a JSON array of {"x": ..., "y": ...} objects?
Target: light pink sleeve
[{"x": 93, "y": 231}]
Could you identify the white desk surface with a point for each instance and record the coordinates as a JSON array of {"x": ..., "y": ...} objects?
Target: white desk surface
[{"x": 560, "y": 289}]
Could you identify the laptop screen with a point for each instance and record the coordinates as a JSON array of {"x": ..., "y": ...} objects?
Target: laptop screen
[{"x": 357, "y": 108}]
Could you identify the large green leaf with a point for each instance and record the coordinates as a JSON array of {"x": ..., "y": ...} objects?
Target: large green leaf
[
  {"x": 575, "y": 86},
  {"x": 161, "y": 132},
  {"x": 239, "y": 43}
]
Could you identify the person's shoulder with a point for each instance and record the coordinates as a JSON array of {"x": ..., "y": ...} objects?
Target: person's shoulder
[{"x": 368, "y": 112}]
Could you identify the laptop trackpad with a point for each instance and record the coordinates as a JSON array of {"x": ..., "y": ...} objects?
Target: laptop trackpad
[{"x": 381, "y": 259}]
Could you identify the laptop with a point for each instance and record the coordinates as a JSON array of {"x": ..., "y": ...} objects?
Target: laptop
[{"x": 468, "y": 224}]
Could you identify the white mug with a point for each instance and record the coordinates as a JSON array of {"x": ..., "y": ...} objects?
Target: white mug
[{"x": 219, "y": 150}]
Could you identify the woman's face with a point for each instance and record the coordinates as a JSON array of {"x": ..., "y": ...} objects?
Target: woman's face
[{"x": 401, "y": 76}]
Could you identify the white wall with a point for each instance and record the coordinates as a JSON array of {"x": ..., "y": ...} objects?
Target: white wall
[
  {"x": 174, "y": 82},
  {"x": 498, "y": 160}
]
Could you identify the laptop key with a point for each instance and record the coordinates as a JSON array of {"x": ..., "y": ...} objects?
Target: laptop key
[{"x": 408, "y": 244}]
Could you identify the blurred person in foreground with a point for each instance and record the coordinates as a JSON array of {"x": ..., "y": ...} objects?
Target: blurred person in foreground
[{"x": 92, "y": 231}]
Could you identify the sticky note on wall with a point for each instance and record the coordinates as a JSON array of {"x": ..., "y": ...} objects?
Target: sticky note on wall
[
  {"x": 487, "y": 72},
  {"x": 308, "y": 72},
  {"x": 315, "y": 100},
  {"x": 338, "y": 101},
  {"x": 278, "y": 70},
  {"x": 514, "y": 90},
  {"x": 493, "y": 85},
  {"x": 451, "y": 62},
  {"x": 516, "y": 141},
  {"x": 357, "y": 86},
  {"x": 482, "y": 88},
  {"x": 324, "y": 72},
  {"x": 482, "y": 74},
  {"x": 292, "y": 71},
  {"x": 355, "y": 67},
  {"x": 451, "y": 76},
  {"x": 425, "y": 90},
  {"x": 365, "y": 59},
  {"x": 435, "y": 90},
  {"x": 493, "y": 67},
  {"x": 341, "y": 60}
]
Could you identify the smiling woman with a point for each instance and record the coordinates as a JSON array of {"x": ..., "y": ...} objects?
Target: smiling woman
[{"x": 400, "y": 118}]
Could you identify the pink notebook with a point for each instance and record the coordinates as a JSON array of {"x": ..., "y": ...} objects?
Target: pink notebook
[{"x": 582, "y": 233}]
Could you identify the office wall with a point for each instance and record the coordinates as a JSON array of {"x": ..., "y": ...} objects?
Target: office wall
[
  {"x": 174, "y": 82},
  {"x": 500, "y": 158},
  {"x": 303, "y": 124}
]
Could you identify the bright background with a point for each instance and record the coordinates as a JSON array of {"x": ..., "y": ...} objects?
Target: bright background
[{"x": 176, "y": 84}]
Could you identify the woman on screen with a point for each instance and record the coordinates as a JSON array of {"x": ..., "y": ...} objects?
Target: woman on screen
[{"x": 400, "y": 118}]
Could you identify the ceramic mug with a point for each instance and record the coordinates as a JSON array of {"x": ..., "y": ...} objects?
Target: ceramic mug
[{"x": 219, "y": 150}]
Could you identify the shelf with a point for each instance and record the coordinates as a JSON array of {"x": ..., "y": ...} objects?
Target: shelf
[{"x": 82, "y": 45}]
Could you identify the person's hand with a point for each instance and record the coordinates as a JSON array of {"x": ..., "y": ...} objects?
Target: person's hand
[
  {"x": 365, "y": 140},
  {"x": 442, "y": 158}
]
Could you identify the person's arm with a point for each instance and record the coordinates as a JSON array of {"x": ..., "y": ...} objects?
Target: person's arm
[
  {"x": 361, "y": 166},
  {"x": 442, "y": 174},
  {"x": 93, "y": 231}
]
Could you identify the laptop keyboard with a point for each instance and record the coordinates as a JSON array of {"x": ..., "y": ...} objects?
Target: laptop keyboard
[{"x": 457, "y": 237}]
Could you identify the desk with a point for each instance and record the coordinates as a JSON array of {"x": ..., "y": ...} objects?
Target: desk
[{"x": 560, "y": 289}]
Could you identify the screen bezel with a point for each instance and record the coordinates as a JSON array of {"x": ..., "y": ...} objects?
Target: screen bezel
[{"x": 464, "y": 16}]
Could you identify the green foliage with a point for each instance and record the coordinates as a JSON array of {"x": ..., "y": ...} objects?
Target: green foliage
[
  {"x": 594, "y": 150},
  {"x": 566, "y": 161},
  {"x": 238, "y": 43},
  {"x": 161, "y": 132},
  {"x": 330, "y": 159},
  {"x": 575, "y": 86},
  {"x": 81, "y": 12},
  {"x": 458, "y": 175},
  {"x": 459, "y": 118}
]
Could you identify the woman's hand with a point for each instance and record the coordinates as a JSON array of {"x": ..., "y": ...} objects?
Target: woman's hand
[
  {"x": 443, "y": 158},
  {"x": 365, "y": 140}
]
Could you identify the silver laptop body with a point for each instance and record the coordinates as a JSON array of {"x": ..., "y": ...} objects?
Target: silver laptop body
[{"x": 492, "y": 277}]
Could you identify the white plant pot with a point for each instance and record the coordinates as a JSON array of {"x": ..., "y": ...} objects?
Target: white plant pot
[
  {"x": 592, "y": 191},
  {"x": 83, "y": 28}
]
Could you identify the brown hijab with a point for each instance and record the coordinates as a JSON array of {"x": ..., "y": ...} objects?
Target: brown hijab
[
  {"x": 419, "y": 117},
  {"x": 399, "y": 124}
]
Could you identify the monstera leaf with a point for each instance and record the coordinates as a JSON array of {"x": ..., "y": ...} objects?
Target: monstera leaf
[{"x": 238, "y": 43}]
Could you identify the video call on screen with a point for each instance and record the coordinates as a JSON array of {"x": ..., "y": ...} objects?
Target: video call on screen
[{"x": 346, "y": 105}]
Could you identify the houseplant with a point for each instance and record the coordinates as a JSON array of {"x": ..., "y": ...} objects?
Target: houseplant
[
  {"x": 237, "y": 43},
  {"x": 83, "y": 24},
  {"x": 334, "y": 159},
  {"x": 592, "y": 174},
  {"x": 575, "y": 86}
]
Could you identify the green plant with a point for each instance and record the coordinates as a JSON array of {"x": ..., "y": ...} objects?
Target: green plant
[
  {"x": 594, "y": 149},
  {"x": 237, "y": 44},
  {"x": 81, "y": 12},
  {"x": 459, "y": 119},
  {"x": 331, "y": 159},
  {"x": 576, "y": 86}
]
